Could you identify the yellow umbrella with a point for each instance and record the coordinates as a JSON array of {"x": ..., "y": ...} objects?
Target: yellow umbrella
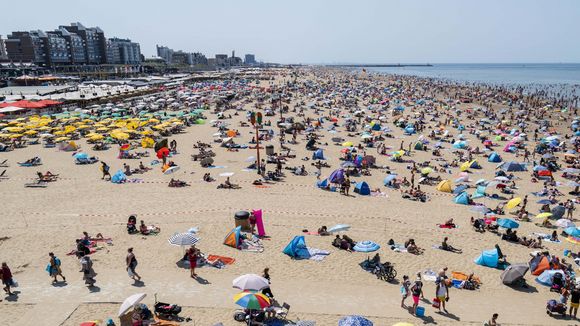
[
  {"x": 120, "y": 135},
  {"x": 543, "y": 215},
  {"x": 14, "y": 129},
  {"x": 31, "y": 132},
  {"x": 61, "y": 139},
  {"x": 17, "y": 135},
  {"x": 347, "y": 144},
  {"x": 59, "y": 133},
  {"x": 96, "y": 137},
  {"x": 103, "y": 129},
  {"x": 426, "y": 170},
  {"x": 513, "y": 203},
  {"x": 147, "y": 133},
  {"x": 147, "y": 142}
]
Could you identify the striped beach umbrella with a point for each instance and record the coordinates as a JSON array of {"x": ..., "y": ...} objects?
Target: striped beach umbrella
[
  {"x": 252, "y": 300},
  {"x": 183, "y": 239}
]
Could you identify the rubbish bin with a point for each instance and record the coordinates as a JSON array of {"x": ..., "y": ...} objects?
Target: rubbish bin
[
  {"x": 242, "y": 219},
  {"x": 269, "y": 150}
]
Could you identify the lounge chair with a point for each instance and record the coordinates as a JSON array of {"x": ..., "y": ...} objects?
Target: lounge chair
[{"x": 283, "y": 311}]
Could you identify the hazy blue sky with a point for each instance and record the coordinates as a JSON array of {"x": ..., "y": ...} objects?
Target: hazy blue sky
[{"x": 317, "y": 31}]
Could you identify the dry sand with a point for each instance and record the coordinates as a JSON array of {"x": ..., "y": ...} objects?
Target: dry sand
[{"x": 38, "y": 221}]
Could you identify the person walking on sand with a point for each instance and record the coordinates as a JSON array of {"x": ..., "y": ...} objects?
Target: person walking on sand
[
  {"x": 442, "y": 291},
  {"x": 131, "y": 262},
  {"x": 87, "y": 270},
  {"x": 105, "y": 169},
  {"x": 267, "y": 291},
  {"x": 416, "y": 292},
  {"x": 6, "y": 276},
  {"x": 54, "y": 268},
  {"x": 192, "y": 257},
  {"x": 405, "y": 290},
  {"x": 574, "y": 301}
]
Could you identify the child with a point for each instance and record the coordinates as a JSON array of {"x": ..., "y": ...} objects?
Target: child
[{"x": 405, "y": 290}]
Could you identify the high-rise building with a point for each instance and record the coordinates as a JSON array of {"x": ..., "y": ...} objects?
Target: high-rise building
[
  {"x": 221, "y": 60},
  {"x": 165, "y": 53},
  {"x": 250, "y": 59},
  {"x": 3, "y": 54},
  {"x": 123, "y": 51},
  {"x": 75, "y": 46},
  {"x": 57, "y": 52},
  {"x": 94, "y": 41},
  {"x": 27, "y": 47}
]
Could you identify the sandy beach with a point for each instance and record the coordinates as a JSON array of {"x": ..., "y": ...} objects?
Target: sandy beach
[{"x": 37, "y": 221}]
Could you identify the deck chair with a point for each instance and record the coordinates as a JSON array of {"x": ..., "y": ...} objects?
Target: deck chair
[{"x": 283, "y": 311}]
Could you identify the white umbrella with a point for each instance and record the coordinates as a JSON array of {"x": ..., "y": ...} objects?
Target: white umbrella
[
  {"x": 339, "y": 228},
  {"x": 250, "y": 282},
  {"x": 226, "y": 174},
  {"x": 183, "y": 239},
  {"x": 131, "y": 302},
  {"x": 565, "y": 223},
  {"x": 502, "y": 179},
  {"x": 171, "y": 170}
]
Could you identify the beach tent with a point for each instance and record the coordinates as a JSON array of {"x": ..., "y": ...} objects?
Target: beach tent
[
  {"x": 233, "y": 238},
  {"x": 460, "y": 144},
  {"x": 474, "y": 165},
  {"x": 488, "y": 258},
  {"x": 388, "y": 180},
  {"x": 297, "y": 248},
  {"x": 494, "y": 158},
  {"x": 513, "y": 167},
  {"x": 539, "y": 264},
  {"x": 547, "y": 276},
  {"x": 68, "y": 147},
  {"x": 119, "y": 177},
  {"x": 409, "y": 130},
  {"x": 362, "y": 188},
  {"x": 479, "y": 192},
  {"x": 464, "y": 166},
  {"x": 444, "y": 186},
  {"x": 462, "y": 199},
  {"x": 322, "y": 183},
  {"x": 459, "y": 189},
  {"x": 419, "y": 146},
  {"x": 318, "y": 154},
  {"x": 514, "y": 273}
]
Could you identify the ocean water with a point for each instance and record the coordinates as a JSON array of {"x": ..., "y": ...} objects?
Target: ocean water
[{"x": 500, "y": 74}]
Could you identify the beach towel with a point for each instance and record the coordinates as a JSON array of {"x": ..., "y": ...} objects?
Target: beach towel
[
  {"x": 429, "y": 275},
  {"x": 445, "y": 226},
  {"x": 217, "y": 167},
  {"x": 317, "y": 254},
  {"x": 545, "y": 237},
  {"x": 398, "y": 248},
  {"x": 212, "y": 259},
  {"x": 161, "y": 322}
]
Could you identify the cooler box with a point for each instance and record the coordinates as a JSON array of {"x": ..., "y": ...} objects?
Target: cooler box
[{"x": 420, "y": 311}]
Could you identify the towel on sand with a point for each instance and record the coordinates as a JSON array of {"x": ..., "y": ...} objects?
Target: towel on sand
[
  {"x": 317, "y": 254},
  {"x": 212, "y": 259}
]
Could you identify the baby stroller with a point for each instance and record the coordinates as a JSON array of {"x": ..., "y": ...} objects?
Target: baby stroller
[
  {"x": 557, "y": 282},
  {"x": 166, "y": 310},
  {"x": 554, "y": 307},
  {"x": 132, "y": 225}
]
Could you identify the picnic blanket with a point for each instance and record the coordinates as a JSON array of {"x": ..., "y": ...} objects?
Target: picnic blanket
[
  {"x": 317, "y": 254},
  {"x": 398, "y": 248},
  {"x": 545, "y": 237}
]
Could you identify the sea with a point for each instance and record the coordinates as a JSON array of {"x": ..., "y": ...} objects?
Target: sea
[{"x": 556, "y": 78}]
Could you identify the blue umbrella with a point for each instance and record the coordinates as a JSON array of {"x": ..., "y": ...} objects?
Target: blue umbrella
[
  {"x": 573, "y": 231},
  {"x": 338, "y": 228},
  {"x": 507, "y": 223},
  {"x": 354, "y": 320},
  {"x": 558, "y": 212},
  {"x": 81, "y": 156},
  {"x": 348, "y": 165},
  {"x": 366, "y": 246},
  {"x": 387, "y": 180}
]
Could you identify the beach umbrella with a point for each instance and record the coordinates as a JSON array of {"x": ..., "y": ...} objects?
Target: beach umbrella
[
  {"x": 514, "y": 273},
  {"x": 426, "y": 170},
  {"x": 252, "y": 300},
  {"x": 507, "y": 223},
  {"x": 339, "y": 228},
  {"x": 348, "y": 165},
  {"x": 558, "y": 212},
  {"x": 171, "y": 169},
  {"x": 183, "y": 239},
  {"x": 480, "y": 181},
  {"x": 163, "y": 152},
  {"x": 366, "y": 246},
  {"x": 81, "y": 156},
  {"x": 513, "y": 203},
  {"x": 543, "y": 215},
  {"x": 573, "y": 240},
  {"x": 544, "y": 201},
  {"x": 130, "y": 303},
  {"x": 347, "y": 144},
  {"x": 354, "y": 320},
  {"x": 565, "y": 223},
  {"x": 226, "y": 174},
  {"x": 572, "y": 231},
  {"x": 387, "y": 180},
  {"x": 250, "y": 282},
  {"x": 504, "y": 179}
]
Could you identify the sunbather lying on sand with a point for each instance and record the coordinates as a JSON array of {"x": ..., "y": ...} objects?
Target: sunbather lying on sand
[
  {"x": 413, "y": 248},
  {"x": 228, "y": 185},
  {"x": 177, "y": 183},
  {"x": 147, "y": 230}
]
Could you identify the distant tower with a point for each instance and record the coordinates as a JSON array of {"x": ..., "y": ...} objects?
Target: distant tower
[{"x": 233, "y": 53}]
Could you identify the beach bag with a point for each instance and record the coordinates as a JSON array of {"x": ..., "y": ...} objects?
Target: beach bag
[{"x": 436, "y": 303}]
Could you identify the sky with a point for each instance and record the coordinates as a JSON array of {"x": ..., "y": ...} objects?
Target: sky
[{"x": 327, "y": 31}]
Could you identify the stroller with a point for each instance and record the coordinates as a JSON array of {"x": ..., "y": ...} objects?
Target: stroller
[
  {"x": 557, "y": 282},
  {"x": 554, "y": 307},
  {"x": 166, "y": 310}
]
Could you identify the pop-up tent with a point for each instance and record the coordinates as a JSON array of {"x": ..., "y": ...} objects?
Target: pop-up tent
[
  {"x": 318, "y": 154},
  {"x": 362, "y": 188},
  {"x": 337, "y": 176},
  {"x": 539, "y": 264},
  {"x": 462, "y": 199},
  {"x": 419, "y": 146},
  {"x": 233, "y": 238},
  {"x": 322, "y": 183},
  {"x": 494, "y": 158},
  {"x": 488, "y": 258},
  {"x": 119, "y": 177},
  {"x": 444, "y": 186},
  {"x": 297, "y": 248},
  {"x": 546, "y": 278},
  {"x": 513, "y": 167}
]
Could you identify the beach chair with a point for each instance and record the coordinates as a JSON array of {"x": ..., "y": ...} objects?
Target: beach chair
[{"x": 283, "y": 311}]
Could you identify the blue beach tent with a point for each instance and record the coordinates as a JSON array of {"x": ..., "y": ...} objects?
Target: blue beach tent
[
  {"x": 297, "y": 248},
  {"x": 362, "y": 188}
]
